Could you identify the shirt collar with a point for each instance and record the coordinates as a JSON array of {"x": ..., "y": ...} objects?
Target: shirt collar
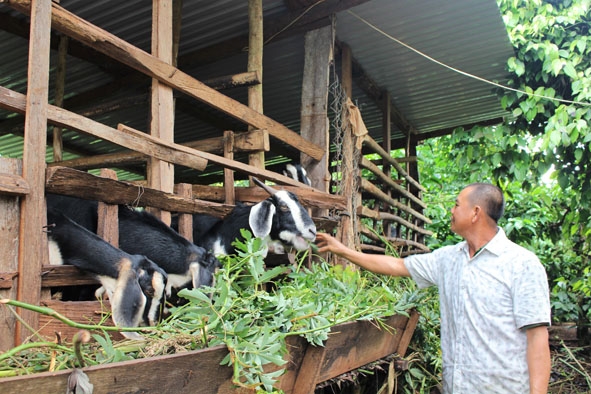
[{"x": 495, "y": 245}]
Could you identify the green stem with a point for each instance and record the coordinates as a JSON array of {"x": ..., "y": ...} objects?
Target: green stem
[
  {"x": 50, "y": 312},
  {"x": 15, "y": 350}
]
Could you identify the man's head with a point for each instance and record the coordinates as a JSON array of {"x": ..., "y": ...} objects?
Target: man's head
[{"x": 478, "y": 203}]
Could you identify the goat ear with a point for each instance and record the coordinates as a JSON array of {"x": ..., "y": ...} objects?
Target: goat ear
[
  {"x": 128, "y": 302},
  {"x": 261, "y": 218}
]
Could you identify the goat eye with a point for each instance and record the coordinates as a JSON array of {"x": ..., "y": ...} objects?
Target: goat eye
[{"x": 284, "y": 208}]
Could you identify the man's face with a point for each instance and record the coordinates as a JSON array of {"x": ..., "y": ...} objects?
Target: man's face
[{"x": 462, "y": 213}]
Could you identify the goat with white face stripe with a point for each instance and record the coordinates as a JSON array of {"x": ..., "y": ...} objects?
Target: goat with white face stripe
[{"x": 280, "y": 220}]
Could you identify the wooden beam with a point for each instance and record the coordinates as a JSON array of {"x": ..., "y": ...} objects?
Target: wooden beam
[
  {"x": 70, "y": 182},
  {"x": 14, "y": 185},
  {"x": 32, "y": 250},
  {"x": 79, "y": 29},
  {"x": 138, "y": 141}
]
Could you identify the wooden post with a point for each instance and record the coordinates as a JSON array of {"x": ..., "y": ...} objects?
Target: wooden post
[
  {"x": 160, "y": 173},
  {"x": 314, "y": 126},
  {"x": 33, "y": 241},
  {"x": 9, "y": 229},
  {"x": 185, "y": 219},
  {"x": 108, "y": 215},
  {"x": 229, "y": 192},
  {"x": 346, "y": 231},
  {"x": 387, "y": 145},
  {"x": 255, "y": 63},
  {"x": 60, "y": 82}
]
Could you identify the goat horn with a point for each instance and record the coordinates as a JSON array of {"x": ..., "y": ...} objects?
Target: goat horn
[{"x": 267, "y": 188}]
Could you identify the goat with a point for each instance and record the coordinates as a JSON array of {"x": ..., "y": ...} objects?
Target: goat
[
  {"x": 134, "y": 283},
  {"x": 142, "y": 233},
  {"x": 280, "y": 220},
  {"x": 297, "y": 172}
]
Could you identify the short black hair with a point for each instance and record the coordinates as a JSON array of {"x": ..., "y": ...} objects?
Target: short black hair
[{"x": 490, "y": 197}]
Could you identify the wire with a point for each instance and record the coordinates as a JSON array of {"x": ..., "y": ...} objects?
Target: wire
[{"x": 460, "y": 71}]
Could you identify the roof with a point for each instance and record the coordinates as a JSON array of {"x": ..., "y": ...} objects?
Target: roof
[{"x": 432, "y": 98}]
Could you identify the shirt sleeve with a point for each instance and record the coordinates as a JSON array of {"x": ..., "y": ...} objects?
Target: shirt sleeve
[
  {"x": 425, "y": 268},
  {"x": 531, "y": 294}
]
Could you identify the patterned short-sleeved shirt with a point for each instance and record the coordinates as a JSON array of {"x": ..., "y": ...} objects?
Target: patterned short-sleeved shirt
[{"x": 485, "y": 303}]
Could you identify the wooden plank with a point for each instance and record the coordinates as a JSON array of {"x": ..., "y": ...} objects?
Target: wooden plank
[
  {"x": 194, "y": 372},
  {"x": 13, "y": 184},
  {"x": 63, "y": 180},
  {"x": 309, "y": 370},
  {"x": 234, "y": 165},
  {"x": 9, "y": 241},
  {"x": 138, "y": 141},
  {"x": 32, "y": 251},
  {"x": 310, "y": 198},
  {"x": 65, "y": 275},
  {"x": 411, "y": 325},
  {"x": 104, "y": 42},
  {"x": 88, "y": 312},
  {"x": 358, "y": 344},
  {"x": 243, "y": 142}
]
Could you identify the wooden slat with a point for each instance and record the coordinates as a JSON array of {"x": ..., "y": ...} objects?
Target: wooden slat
[
  {"x": 370, "y": 213},
  {"x": 243, "y": 142},
  {"x": 386, "y": 155},
  {"x": 13, "y": 184},
  {"x": 88, "y": 312},
  {"x": 107, "y": 226},
  {"x": 185, "y": 225},
  {"x": 137, "y": 141},
  {"x": 390, "y": 182},
  {"x": 374, "y": 190},
  {"x": 7, "y": 282},
  {"x": 310, "y": 198},
  {"x": 235, "y": 165},
  {"x": 104, "y": 42},
  {"x": 65, "y": 275}
]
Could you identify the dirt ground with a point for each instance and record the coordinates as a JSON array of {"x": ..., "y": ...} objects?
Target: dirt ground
[{"x": 571, "y": 367}]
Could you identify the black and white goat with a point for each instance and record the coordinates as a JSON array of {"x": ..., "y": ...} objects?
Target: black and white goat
[
  {"x": 280, "y": 220},
  {"x": 297, "y": 172},
  {"x": 134, "y": 283},
  {"x": 142, "y": 233}
]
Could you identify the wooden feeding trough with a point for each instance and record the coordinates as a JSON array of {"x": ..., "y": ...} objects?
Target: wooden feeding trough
[{"x": 349, "y": 346}]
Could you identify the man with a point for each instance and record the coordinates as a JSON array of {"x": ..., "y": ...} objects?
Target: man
[{"x": 493, "y": 295}]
